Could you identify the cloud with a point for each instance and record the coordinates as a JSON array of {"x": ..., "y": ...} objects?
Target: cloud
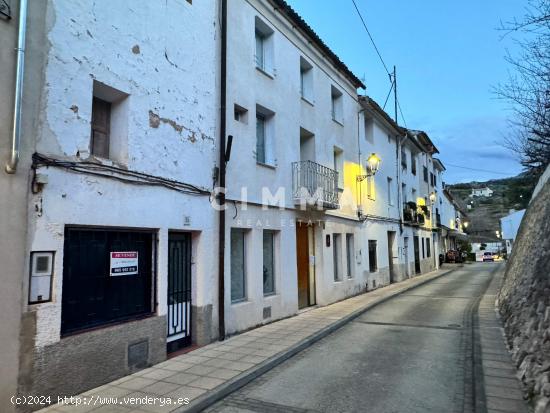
[{"x": 476, "y": 143}]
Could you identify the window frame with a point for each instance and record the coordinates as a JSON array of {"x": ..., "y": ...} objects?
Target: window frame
[
  {"x": 350, "y": 255},
  {"x": 243, "y": 232},
  {"x": 273, "y": 235},
  {"x": 337, "y": 256},
  {"x": 373, "y": 263}
]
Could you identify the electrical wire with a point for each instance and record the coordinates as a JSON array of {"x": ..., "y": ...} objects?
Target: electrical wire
[
  {"x": 476, "y": 169},
  {"x": 370, "y": 37},
  {"x": 388, "y": 96},
  {"x": 116, "y": 173}
]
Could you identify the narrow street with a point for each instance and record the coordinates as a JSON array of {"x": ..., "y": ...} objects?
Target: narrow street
[{"x": 409, "y": 354}]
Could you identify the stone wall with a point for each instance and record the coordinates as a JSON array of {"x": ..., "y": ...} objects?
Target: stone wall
[{"x": 524, "y": 301}]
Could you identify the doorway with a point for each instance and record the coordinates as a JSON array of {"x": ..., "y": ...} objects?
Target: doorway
[
  {"x": 416, "y": 255},
  {"x": 305, "y": 261},
  {"x": 179, "y": 291},
  {"x": 391, "y": 242}
]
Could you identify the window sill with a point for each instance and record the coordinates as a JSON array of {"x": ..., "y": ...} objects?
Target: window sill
[
  {"x": 270, "y": 295},
  {"x": 266, "y": 165},
  {"x": 265, "y": 72},
  {"x": 308, "y": 101},
  {"x": 242, "y": 301},
  {"x": 339, "y": 122}
]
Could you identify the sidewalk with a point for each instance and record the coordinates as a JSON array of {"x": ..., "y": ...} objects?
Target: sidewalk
[
  {"x": 212, "y": 372},
  {"x": 496, "y": 371}
]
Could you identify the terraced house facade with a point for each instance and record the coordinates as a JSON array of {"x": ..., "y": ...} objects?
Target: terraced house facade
[{"x": 129, "y": 249}]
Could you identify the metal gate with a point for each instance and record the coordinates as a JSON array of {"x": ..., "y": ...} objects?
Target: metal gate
[{"x": 179, "y": 291}]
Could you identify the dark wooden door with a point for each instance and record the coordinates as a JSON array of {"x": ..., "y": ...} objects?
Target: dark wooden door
[
  {"x": 302, "y": 258},
  {"x": 416, "y": 256}
]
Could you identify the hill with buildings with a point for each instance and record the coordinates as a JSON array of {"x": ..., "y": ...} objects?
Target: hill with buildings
[{"x": 499, "y": 196}]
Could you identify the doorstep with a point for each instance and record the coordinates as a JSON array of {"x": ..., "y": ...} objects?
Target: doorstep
[{"x": 211, "y": 372}]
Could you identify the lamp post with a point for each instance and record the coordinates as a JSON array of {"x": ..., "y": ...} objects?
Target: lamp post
[{"x": 373, "y": 164}]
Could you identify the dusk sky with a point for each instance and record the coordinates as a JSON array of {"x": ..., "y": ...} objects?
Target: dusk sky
[{"x": 448, "y": 55}]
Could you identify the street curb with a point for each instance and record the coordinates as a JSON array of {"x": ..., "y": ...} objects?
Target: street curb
[{"x": 209, "y": 398}]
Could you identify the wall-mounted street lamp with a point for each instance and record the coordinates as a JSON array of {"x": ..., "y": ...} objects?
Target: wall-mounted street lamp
[
  {"x": 373, "y": 163},
  {"x": 433, "y": 197},
  {"x": 465, "y": 224}
]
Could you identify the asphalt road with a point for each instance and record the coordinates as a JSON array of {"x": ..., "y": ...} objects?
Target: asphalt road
[{"x": 409, "y": 354}]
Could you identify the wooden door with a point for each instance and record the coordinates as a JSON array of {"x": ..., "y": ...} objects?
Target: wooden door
[{"x": 302, "y": 259}]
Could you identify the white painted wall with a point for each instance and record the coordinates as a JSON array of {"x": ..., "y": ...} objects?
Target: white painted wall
[{"x": 137, "y": 49}]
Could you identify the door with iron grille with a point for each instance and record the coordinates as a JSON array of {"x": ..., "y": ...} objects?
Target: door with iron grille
[{"x": 179, "y": 291}]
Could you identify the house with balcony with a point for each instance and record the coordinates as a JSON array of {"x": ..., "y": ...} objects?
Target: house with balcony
[
  {"x": 420, "y": 213},
  {"x": 381, "y": 196},
  {"x": 293, "y": 235}
]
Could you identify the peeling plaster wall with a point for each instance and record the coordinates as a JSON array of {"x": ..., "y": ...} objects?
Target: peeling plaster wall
[{"x": 169, "y": 124}]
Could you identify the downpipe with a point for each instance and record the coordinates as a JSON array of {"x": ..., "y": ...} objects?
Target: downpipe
[{"x": 11, "y": 165}]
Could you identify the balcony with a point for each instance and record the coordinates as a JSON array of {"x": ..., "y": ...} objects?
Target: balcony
[{"x": 314, "y": 185}]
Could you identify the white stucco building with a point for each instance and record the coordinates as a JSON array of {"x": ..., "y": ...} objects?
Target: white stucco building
[
  {"x": 120, "y": 225},
  {"x": 123, "y": 123},
  {"x": 485, "y": 192},
  {"x": 509, "y": 226}
]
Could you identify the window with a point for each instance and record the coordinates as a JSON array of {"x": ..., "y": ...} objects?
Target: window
[
  {"x": 260, "y": 138},
  {"x": 432, "y": 179},
  {"x": 413, "y": 193},
  {"x": 101, "y": 127},
  {"x": 337, "y": 256},
  {"x": 238, "y": 265},
  {"x": 264, "y": 136},
  {"x": 109, "y": 123},
  {"x": 350, "y": 254},
  {"x": 240, "y": 114},
  {"x": 337, "y": 105},
  {"x": 423, "y": 249},
  {"x": 404, "y": 192},
  {"x": 269, "y": 262},
  {"x": 403, "y": 159},
  {"x": 339, "y": 166},
  {"x": 428, "y": 248},
  {"x": 390, "y": 191},
  {"x": 373, "y": 265},
  {"x": 264, "y": 46},
  {"x": 306, "y": 80},
  {"x": 413, "y": 164},
  {"x": 425, "y": 174}
]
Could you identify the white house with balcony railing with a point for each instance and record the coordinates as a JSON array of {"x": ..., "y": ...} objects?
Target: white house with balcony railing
[{"x": 292, "y": 109}]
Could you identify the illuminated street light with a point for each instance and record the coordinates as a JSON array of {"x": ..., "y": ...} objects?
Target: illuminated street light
[
  {"x": 433, "y": 197},
  {"x": 373, "y": 163}
]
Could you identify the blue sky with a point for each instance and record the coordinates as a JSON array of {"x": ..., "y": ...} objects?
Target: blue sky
[{"x": 449, "y": 56}]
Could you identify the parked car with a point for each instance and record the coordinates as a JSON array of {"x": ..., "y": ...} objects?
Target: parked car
[{"x": 488, "y": 256}]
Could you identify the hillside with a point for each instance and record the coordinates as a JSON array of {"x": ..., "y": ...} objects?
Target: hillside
[{"x": 485, "y": 213}]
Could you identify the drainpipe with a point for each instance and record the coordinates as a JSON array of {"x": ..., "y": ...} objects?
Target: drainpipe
[
  {"x": 359, "y": 156},
  {"x": 11, "y": 165},
  {"x": 222, "y": 161}
]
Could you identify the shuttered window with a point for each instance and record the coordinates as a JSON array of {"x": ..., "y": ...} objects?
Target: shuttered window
[{"x": 101, "y": 127}]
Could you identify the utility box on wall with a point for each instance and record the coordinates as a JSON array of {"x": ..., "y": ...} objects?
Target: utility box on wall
[{"x": 41, "y": 274}]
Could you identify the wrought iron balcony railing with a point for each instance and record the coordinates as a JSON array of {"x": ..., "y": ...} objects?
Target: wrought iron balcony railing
[{"x": 314, "y": 185}]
